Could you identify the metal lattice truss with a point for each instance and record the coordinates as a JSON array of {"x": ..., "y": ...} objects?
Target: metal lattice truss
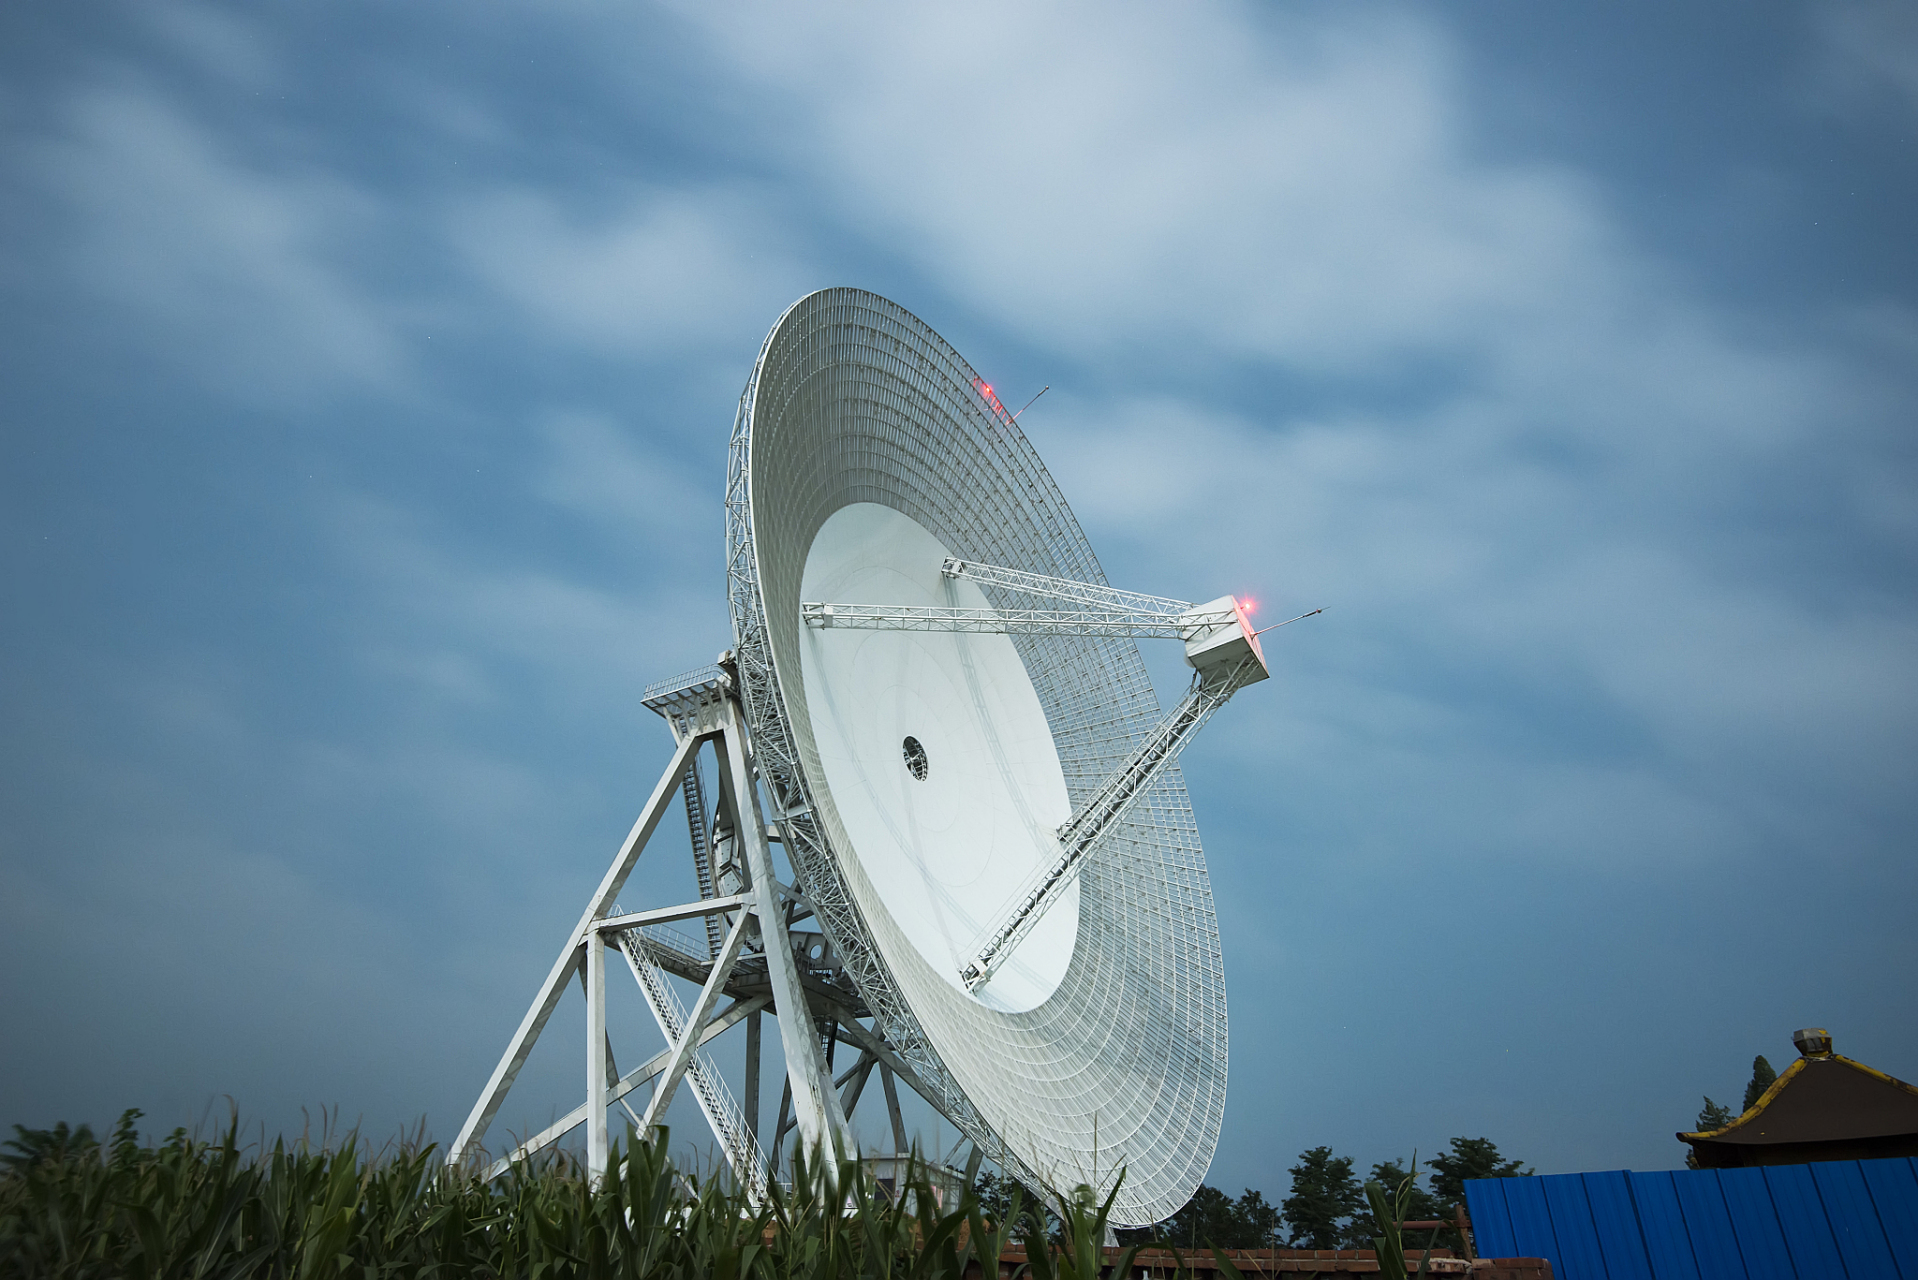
[
  {"x": 1076, "y": 609},
  {"x": 1099, "y": 611},
  {"x": 1096, "y": 594},
  {"x": 750, "y": 960},
  {"x": 1081, "y": 835},
  {"x": 854, "y": 400},
  {"x": 1065, "y": 622}
]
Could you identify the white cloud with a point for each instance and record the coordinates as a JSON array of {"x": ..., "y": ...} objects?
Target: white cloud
[
  {"x": 1870, "y": 47},
  {"x": 1568, "y": 511},
  {"x": 626, "y": 482},
  {"x": 1235, "y": 183},
  {"x": 571, "y": 641},
  {"x": 665, "y": 270},
  {"x": 217, "y": 42},
  {"x": 228, "y": 264},
  {"x": 1440, "y": 554}
]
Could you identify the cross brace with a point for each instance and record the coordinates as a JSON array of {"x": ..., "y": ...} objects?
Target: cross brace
[{"x": 759, "y": 963}]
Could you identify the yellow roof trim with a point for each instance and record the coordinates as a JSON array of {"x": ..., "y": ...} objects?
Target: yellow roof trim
[
  {"x": 1756, "y": 1107},
  {"x": 1764, "y": 1099}
]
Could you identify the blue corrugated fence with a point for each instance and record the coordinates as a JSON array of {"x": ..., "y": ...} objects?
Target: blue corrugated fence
[{"x": 1839, "y": 1220}]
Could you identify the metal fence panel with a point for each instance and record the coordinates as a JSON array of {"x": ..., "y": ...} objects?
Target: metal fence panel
[
  {"x": 1491, "y": 1221},
  {"x": 1854, "y": 1219},
  {"x": 1708, "y": 1221},
  {"x": 1801, "y": 1216},
  {"x": 1620, "y": 1238},
  {"x": 1842, "y": 1219},
  {"x": 1894, "y": 1194},
  {"x": 1579, "y": 1257},
  {"x": 1668, "y": 1244},
  {"x": 1531, "y": 1221},
  {"x": 1755, "y": 1220}
]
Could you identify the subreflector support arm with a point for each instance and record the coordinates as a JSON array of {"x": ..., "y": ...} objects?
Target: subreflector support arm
[
  {"x": 1220, "y": 645},
  {"x": 1082, "y": 833}
]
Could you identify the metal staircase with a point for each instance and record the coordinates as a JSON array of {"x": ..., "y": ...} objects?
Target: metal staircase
[
  {"x": 723, "y": 1113},
  {"x": 696, "y": 821}
]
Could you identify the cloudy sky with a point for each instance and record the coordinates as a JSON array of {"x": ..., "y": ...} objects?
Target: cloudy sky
[{"x": 367, "y": 369}]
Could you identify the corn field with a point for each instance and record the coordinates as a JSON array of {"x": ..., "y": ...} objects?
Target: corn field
[{"x": 187, "y": 1208}]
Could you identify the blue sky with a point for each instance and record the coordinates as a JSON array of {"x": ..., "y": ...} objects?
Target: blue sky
[{"x": 366, "y": 375}]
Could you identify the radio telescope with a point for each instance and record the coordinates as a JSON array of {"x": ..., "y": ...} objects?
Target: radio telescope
[{"x": 936, "y": 706}]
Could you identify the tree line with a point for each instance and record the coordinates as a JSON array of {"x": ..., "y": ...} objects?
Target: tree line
[
  {"x": 1717, "y": 1115},
  {"x": 1327, "y": 1208}
]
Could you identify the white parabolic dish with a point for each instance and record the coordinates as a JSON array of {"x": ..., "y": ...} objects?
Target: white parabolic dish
[{"x": 919, "y": 775}]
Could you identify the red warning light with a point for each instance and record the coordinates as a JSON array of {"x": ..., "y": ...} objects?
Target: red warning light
[{"x": 1248, "y": 605}]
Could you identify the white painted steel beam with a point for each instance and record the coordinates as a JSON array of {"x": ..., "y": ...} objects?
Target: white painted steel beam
[
  {"x": 1080, "y": 835},
  {"x": 822, "y": 1125},
  {"x": 872, "y": 1042},
  {"x": 665, "y": 915},
  {"x": 783, "y": 1121},
  {"x": 696, "y": 1020},
  {"x": 839, "y": 1081},
  {"x": 1139, "y": 624},
  {"x": 818, "y": 1108},
  {"x": 860, "y": 1072},
  {"x": 752, "y": 1078},
  {"x": 632, "y": 1080},
  {"x": 899, "y": 1143},
  {"x": 596, "y": 1100},
  {"x": 474, "y": 1130},
  {"x": 715, "y": 1100},
  {"x": 694, "y": 795},
  {"x": 1038, "y": 584}
]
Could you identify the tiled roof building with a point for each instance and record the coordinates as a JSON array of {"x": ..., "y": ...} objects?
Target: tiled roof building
[{"x": 1824, "y": 1107}]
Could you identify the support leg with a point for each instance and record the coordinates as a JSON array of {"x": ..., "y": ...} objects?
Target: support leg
[
  {"x": 640, "y": 1075},
  {"x": 782, "y": 1124},
  {"x": 596, "y": 1102},
  {"x": 752, "y": 1076},
  {"x": 815, "y": 1105},
  {"x": 859, "y": 1073},
  {"x": 899, "y": 1143},
  {"x": 474, "y": 1130}
]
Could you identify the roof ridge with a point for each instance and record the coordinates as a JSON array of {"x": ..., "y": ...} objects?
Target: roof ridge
[
  {"x": 1790, "y": 1073},
  {"x": 1752, "y": 1112}
]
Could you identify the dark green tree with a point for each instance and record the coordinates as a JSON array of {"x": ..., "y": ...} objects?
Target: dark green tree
[
  {"x": 1762, "y": 1077},
  {"x": 1255, "y": 1223},
  {"x": 995, "y": 1192},
  {"x": 1468, "y": 1158},
  {"x": 1419, "y": 1204},
  {"x": 1325, "y": 1199},
  {"x": 1715, "y": 1116},
  {"x": 1213, "y": 1218},
  {"x": 1206, "y": 1218}
]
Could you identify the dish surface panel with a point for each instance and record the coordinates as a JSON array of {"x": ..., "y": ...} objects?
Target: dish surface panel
[{"x": 944, "y": 851}]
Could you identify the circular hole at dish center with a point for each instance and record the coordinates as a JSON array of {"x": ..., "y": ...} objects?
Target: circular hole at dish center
[{"x": 915, "y": 757}]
